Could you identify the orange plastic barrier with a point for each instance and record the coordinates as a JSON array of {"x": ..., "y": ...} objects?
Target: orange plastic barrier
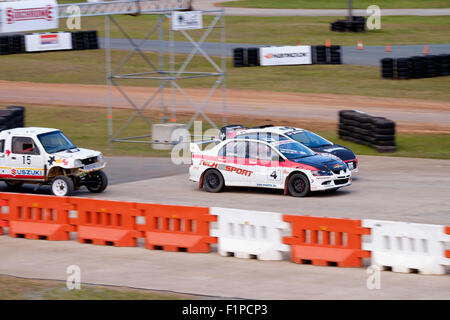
[
  {"x": 37, "y": 217},
  {"x": 3, "y": 216},
  {"x": 447, "y": 252},
  {"x": 326, "y": 241},
  {"x": 176, "y": 228},
  {"x": 105, "y": 222}
]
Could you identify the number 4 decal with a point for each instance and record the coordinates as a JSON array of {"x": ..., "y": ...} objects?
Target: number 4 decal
[{"x": 274, "y": 175}]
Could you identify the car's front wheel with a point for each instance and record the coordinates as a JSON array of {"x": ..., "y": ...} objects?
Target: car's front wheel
[
  {"x": 213, "y": 181},
  {"x": 62, "y": 186},
  {"x": 99, "y": 182},
  {"x": 298, "y": 185}
]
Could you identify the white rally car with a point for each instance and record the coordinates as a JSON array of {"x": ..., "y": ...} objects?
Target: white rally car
[
  {"x": 284, "y": 164},
  {"x": 310, "y": 139},
  {"x": 46, "y": 156}
]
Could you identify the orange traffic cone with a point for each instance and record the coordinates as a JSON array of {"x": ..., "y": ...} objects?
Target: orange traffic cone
[
  {"x": 388, "y": 48},
  {"x": 360, "y": 45},
  {"x": 426, "y": 50},
  {"x": 328, "y": 43}
]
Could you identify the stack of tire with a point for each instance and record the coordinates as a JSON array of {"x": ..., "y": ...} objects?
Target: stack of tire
[
  {"x": 335, "y": 54},
  {"x": 354, "y": 24},
  {"x": 246, "y": 57},
  {"x": 403, "y": 68},
  {"x": 12, "y": 44},
  {"x": 416, "y": 67},
  {"x": 387, "y": 68},
  {"x": 319, "y": 54},
  {"x": 253, "y": 57},
  {"x": 369, "y": 130},
  {"x": 239, "y": 58},
  {"x": 84, "y": 40},
  {"x": 12, "y": 117},
  {"x": 326, "y": 55}
]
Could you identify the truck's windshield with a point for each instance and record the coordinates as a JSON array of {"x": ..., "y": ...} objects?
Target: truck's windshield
[{"x": 55, "y": 141}]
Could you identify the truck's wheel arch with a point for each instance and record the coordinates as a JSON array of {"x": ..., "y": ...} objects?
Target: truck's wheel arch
[{"x": 55, "y": 171}]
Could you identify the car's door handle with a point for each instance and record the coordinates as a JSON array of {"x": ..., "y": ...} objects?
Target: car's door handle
[{"x": 14, "y": 158}]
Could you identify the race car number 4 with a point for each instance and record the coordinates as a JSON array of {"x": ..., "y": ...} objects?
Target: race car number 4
[{"x": 274, "y": 175}]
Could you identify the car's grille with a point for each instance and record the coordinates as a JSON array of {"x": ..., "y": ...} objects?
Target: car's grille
[
  {"x": 340, "y": 181},
  {"x": 89, "y": 160}
]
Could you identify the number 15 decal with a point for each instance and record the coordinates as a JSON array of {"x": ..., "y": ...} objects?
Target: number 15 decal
[
  {"x": 26, "y": 159},
  {"x": 274, "y": 175}
]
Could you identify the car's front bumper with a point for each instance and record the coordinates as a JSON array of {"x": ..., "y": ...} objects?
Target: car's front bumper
[{"x": 321, "y": 183}]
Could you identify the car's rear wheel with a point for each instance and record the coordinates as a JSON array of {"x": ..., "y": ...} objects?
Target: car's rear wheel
[
  {"x": 14, "y": 185},
  {"x": 298, "y": 185},
  {"x": 99, "y": 182},
  {"x": 213, "y": 181},
  {"x": 62, "y": 186}
]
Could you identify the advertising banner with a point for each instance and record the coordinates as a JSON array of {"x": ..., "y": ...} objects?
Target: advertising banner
[
  {"x": 287, "y": 55},
  {"x": 187, "y": 20},
  {"x": 48, "y": 41},
  {"x": 17, "y": 16}
]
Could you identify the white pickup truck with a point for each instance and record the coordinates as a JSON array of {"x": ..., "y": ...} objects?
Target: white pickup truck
[{"x": 45, "y": 156}]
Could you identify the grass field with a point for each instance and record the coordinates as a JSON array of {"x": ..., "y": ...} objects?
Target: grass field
[
  {"x": 336, "y": 4},
  {"x": 395, "y": 30},
  {"x": 87, "y": 127},
  {"x": 12, "y": 288},
  {"x": 88, "y": 67}
]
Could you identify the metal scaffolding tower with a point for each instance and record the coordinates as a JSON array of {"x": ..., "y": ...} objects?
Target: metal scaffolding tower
[{"x": 169, "y": 75}]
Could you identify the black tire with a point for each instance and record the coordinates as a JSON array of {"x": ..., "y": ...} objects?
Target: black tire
[
  {"x": 390, "y": 131},
  {"x": 213, "y": 181},
  {"x": 62, "y": 186},
  {"x": 384, "y": 137},
  {"x": 298, "y": 185},
  {"x": 101, "y": 182},
  {"x": 14, "y": 185}
]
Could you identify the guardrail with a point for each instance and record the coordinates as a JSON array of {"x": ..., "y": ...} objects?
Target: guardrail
[{"x": 396, "y": 246}]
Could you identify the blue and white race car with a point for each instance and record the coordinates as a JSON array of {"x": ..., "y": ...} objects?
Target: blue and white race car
[{"x": 313, "y": 141}]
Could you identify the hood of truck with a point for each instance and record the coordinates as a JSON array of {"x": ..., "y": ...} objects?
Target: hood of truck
[{"x": 67, "y": 158}]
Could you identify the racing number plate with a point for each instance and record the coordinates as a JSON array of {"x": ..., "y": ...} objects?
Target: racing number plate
[{"x": 350, "y": 165}]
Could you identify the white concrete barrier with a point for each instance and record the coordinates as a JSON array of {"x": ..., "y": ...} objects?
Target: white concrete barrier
[
  {"x": 247, "y": 233},
  {"x": 406, "y": 247}
]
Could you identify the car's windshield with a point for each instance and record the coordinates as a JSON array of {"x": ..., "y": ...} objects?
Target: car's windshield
[
  {"x": 309, "y": 139},
  {"x": 55, "y": 141},
  {"x": 293, "y": 150}
]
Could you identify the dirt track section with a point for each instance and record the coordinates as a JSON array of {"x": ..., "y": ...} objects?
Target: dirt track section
[{"x": 410, "y": 114}]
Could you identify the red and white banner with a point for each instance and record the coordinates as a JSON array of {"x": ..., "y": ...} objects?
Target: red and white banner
[
  {"x": 48, "y": 41},
  {"x": 287, "y": 55},
  {"x": 17, "y": 16}
]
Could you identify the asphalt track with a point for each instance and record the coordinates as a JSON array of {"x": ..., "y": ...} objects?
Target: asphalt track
[
  {"x": 369, "y": 56},
  {"x": 403, "y": 189},
  {"x": 390, "y": 188}
]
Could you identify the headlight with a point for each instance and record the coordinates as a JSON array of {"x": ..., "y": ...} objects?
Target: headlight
[
  {"x": 100, "y": 158},
  {"x": 321, "y": 173},
  {"x": 77, "y": 163}
]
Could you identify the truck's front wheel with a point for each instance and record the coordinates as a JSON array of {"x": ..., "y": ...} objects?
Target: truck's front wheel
[
  {"x": 98, "y": 181},
  {"x": 62, "y": 186}
]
